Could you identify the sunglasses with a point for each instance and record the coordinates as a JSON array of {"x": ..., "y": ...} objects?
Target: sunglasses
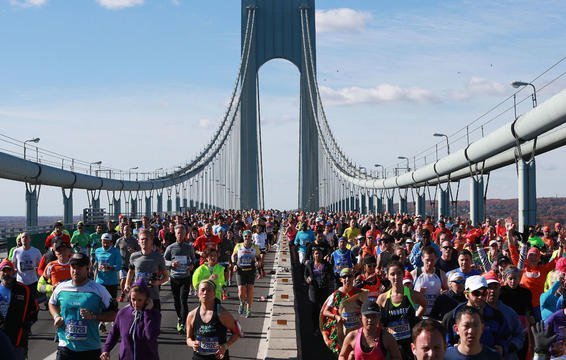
[
  {"x": 447, "y": 247},
  {"x": 459, "y": 282},
  {"x": 480, "y": 292},
  {"x": 347, "y": 276}
]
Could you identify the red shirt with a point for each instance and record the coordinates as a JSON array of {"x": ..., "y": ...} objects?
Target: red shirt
[
  {"x": 204, "y": 242},
  {"x": 63, "y": 236}
]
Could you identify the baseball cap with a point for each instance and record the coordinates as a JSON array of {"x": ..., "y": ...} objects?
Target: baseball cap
[
  {"x": 370, "y": 307},
  {"x": 493, "y": 242},
  {"x": 106, "y": 236},
  {"x": 80, "y": 223},
  {"x": 456, "y": 276},
  {"x": 491, "y": 277},
  {"x": 533, "y": 250},
  {"x": 503, "y": 259},
  {"x": 475, "y": 282},
  {"x": 6, "y": 263},
  {"x": 79, "y": 259},
  {"x": 346, "y": 272}
]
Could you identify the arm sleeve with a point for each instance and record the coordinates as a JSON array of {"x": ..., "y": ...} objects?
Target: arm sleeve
[
  {"x": 197, "y": 277},
  {"x": 167, "y": 257},
  {"x": 522, "y": 257},
  {"x": 483, "y": 258},
  {"x": 192, "y": 257},
  {"x": 514, "y": 253}
]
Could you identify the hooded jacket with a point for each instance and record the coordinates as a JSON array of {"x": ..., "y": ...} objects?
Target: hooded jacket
[{"x": 139, "y": 340}]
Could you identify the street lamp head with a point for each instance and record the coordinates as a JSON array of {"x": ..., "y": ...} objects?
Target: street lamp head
[
  {"x": 402, "y": 157},
  {"x": 97, "y": 163},
  {"x": 34, "y": 140},
  {"x": 438, "y": 135},
  {"x": 518, "y": 84}
]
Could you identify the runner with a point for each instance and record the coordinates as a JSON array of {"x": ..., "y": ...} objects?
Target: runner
[
  {"x": 398, "y": 305},
  {"x": 56, "y": 271},
  {"x": 180, "y": 259},
  {"x": 210, "y": 270},
  {"x": 17, "y": 309},
  {"x": 77, "y": 306},
  {"x": 429, "y": 340},
  {"x": 246, "y": 257},
  {"x": 26, "y": 259},
  {"x": 127, "y": 245},
  {"x": 207, "y": 326},
  {"x": 148, "y": 265},
  {"x": 205, "y": 241},
  {"x": 430, "y": 281},
  {"x": 107, "y": 264},
  {"x": 371, "y": 341},
  {"x": 80, "y": 241}
]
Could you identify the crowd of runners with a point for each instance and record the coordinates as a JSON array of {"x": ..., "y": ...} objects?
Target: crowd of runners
[
  {"x": 405, "y": 287},
  {"x": 109, "y": 282},
  {"x": 380, "y": 286}
]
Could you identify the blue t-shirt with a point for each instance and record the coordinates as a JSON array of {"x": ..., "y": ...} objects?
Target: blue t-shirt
[
  {"x": 78, "y": 334},
  {"x": 303, "y": 238},
  {"x": 452, "y": 353},
  {"x": 341, "y": 260},
  {"x": 105, "y": 259},
  {"x": 5, "y": 297}
]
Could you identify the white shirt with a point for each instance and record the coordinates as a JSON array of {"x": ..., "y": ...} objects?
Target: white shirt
[{"x": 26, "y": 263}]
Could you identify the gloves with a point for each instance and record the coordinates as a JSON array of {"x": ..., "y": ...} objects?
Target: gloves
[{"x": 542, "y": 338}]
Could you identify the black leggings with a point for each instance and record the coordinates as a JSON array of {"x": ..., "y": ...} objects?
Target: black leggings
[
  {"x": 180, "y": 289},
  {"x": 64, "y": 353}
]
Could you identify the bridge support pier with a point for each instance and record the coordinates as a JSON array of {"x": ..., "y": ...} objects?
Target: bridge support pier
[
  {"x": 403, "y": 204},
  {"x": 371, "y": 203},
  {"x": 32, "y": 200},
  {"x": 444, "y": 203},
  {"x": 148, "y": 205},
  {"x": 67, "y": 206},
  {"x": 389, "y": 207},
  {"x": 477, "y": 211},
  {"x": 420, "y": 205},
  {"x": 364, "y": 208},
  {"x": 117, "y": 206},
  {"x": 134, "y": 207},
  {"x": 379, "y": 204},
  {"x": 527, "y": 193},
  {"x": 159, "y": 201}
]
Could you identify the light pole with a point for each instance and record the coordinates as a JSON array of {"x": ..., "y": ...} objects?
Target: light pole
[
  {"x": 34, "y": 140},
  {"x": 94, "y": 163},
  {"x": 406, "y": 159},
  {"x": 518, "y": 84},
  {"x": 447, "y": 142}
]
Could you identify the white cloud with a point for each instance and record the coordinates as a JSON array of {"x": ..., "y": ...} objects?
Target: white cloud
[
  {"x": 205, "y": 123},
  {"x": 343, "y": 19},
  {"x": 380, "y": 94},
  {"x": 28, "y": 3},
  {"x": 478, "y": 86},
  {"x": 119, "y": 4}
]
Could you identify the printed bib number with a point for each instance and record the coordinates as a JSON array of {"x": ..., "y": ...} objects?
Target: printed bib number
[
  {"x": 208, "y": 345},
  {"x": 351, "y": 319},
  {"x": 76, "y": 330},
  {"x": 182, "y": 260},
  {"x": 399, "y": 331},
  {"x": 146, "y": 277}
]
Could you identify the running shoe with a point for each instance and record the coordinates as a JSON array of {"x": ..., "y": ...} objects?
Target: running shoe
[
  {"x": 180, "y": 328},
  {"x": 241, "y": 309},
  {"x": 224, "y": 295},
  {"x": 248, "y": 313}
]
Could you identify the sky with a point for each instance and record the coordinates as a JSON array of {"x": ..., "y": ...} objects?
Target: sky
[{"x": 144, "y": 83}]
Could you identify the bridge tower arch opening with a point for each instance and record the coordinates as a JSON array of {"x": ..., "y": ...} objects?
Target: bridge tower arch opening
[{"x": 278, "y": 34}]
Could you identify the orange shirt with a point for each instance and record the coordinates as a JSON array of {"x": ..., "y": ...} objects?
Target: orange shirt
[
  {"x": 56, "y": 272},
  {"x": 534, "y": 278}
]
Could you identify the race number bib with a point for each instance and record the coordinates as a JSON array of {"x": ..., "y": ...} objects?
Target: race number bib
[
  {"x": 399, "y": 330},
  {"x": 182, "y": 260},
  {"x": 76, "y": 330},
  {"x": 351, "y": 319},
  {"x": 208, "y": 345},
  {"x": 146, "y": 277}
]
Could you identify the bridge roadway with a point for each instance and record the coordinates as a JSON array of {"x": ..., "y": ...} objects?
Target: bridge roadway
[{"x": 253, "y": 345}]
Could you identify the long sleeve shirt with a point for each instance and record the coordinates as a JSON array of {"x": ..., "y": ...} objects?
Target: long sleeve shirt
[{"x": 142, "y": 341}]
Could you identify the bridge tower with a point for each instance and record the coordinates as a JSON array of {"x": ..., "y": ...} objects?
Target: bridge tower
[{"x": 277, "y": 34}]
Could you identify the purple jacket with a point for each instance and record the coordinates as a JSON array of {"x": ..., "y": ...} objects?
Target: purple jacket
[{"x": 141, "y": 341}]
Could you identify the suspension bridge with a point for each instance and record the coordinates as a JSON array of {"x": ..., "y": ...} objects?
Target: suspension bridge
[{"x": 228, "y": 172}]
